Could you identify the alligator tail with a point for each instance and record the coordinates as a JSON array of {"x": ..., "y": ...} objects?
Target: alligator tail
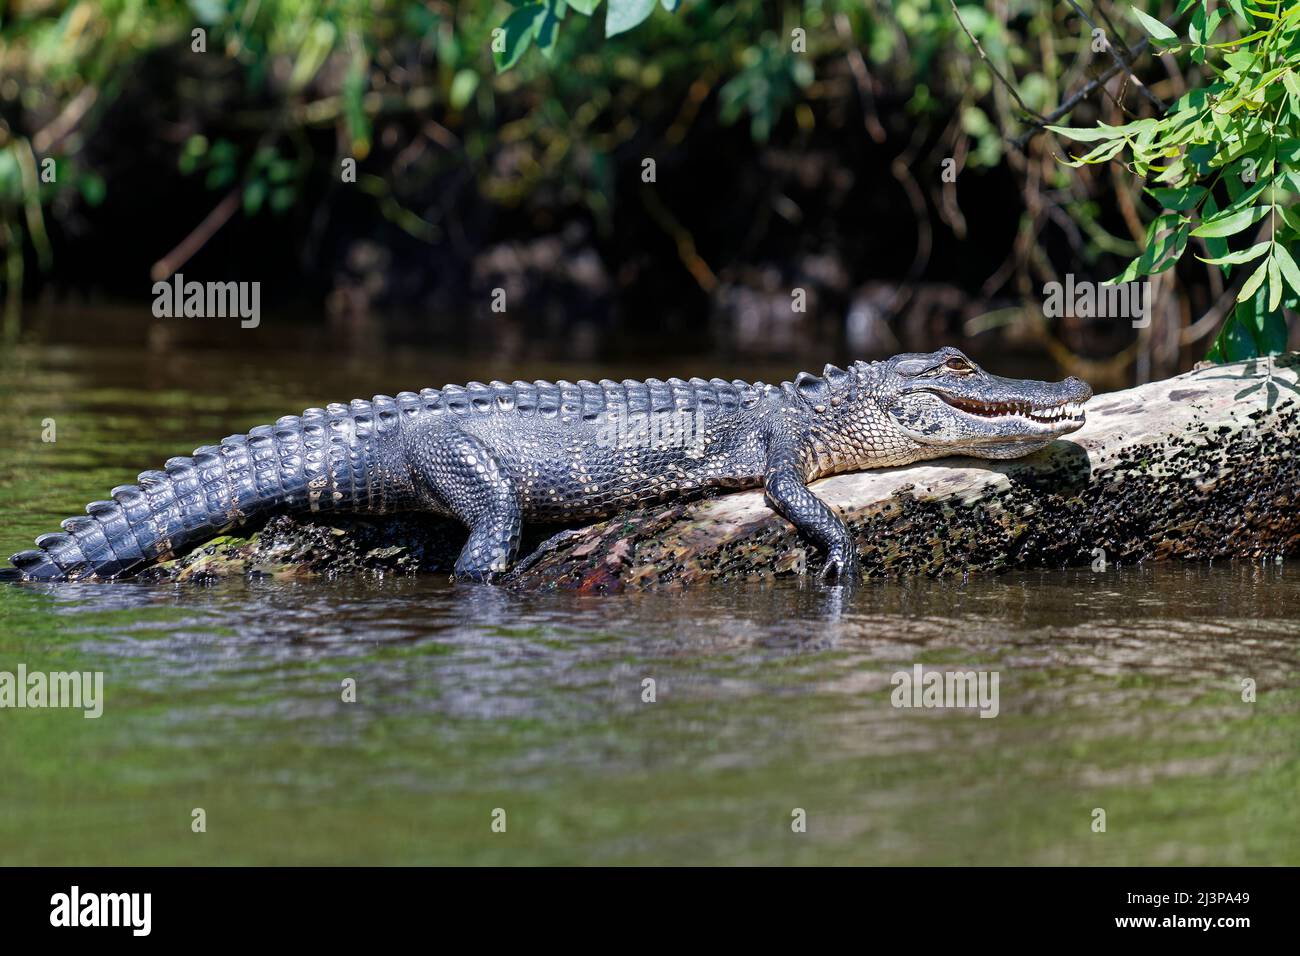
[{"x": 323, "y": 460}]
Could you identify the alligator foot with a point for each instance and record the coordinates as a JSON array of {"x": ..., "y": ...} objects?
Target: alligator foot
[{"x": 841, "y": 569}]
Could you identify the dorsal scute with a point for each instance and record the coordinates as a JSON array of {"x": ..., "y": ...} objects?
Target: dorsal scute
[
  {"x": 548, "y": 398},
  {"x": 810, "y": 386},
  {"x": 682, "y": 393},
  {"x": 481, "y": 397},
  {"x": 385, "y": 412},
  {"x": 593, "y": 399},
  {"x": 525, "y": 396},
  {"x": 836, "y": 376},
  {"x": 637, "y": 396},
  {"x": 409, "y": 403},
  {"x": 570, "y": 398},
  {"x": 749, "y": 393},
  {"x": 503, "y": 394},
  {"x": 661, "y": 395},
  {"x": 728, "y": 396}
]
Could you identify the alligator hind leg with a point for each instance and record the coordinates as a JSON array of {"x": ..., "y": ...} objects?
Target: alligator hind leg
[{"x": 464, "y": 477}]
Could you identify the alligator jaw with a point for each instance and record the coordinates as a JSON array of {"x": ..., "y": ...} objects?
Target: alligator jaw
[{"x": 1041, "y": 419}]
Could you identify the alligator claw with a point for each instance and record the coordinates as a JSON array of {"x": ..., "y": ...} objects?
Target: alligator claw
[{"x": 840, "y": 569}]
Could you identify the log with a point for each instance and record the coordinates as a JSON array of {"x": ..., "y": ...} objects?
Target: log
[{"x": 1201, "y": 466}]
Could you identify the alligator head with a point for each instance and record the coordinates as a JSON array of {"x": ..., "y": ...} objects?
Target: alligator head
[{"x": 948, "y": 405}]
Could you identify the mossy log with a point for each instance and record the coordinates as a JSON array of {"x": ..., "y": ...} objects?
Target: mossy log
[{"x": 1200, "y": 466}]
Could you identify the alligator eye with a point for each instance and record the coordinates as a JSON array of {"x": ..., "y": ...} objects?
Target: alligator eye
[{"x": 957, "y": 365}]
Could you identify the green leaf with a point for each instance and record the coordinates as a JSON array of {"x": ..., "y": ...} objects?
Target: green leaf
[
  {"x": 1158, "y": 31},
  {"x": 1274, "y": 284},
  {"x": 1243, "y": 198},
  {"x": 1288, "y": 267},
  {"x": 623, "y": 15},
  {"x": 670, "y": 5},
  {"x": 521, "y": 26},
  {"x": 585, "y": 7},
  {"x": 1178, "y": 200},
  {"x": 463, "y": 85},
  {"x": 1235, "y": 342},
  {"x": 1266, "y": 327},
  {"x": 1237, "y": 258},
  {"x": 1229, "y": 224},
  {"x": 1086, "y": 135},
  {"x": 549, "y": 30},
  {"x": 1215, "y": 247},
  {"x": 1249, "y": 38},
  {"x": 1254, "y": 282},
  {"x": 1166, "y": 240},
  {"x": 1271, "y": 333},
  {"x": 1100, "y": 154},
  {"x": 254, "y": 194}
]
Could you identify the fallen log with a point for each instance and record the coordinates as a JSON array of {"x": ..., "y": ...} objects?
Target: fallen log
[{"x": 1198, "y": 467}]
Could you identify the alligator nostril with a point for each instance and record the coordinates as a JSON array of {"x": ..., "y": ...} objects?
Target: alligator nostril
[{"x": 1080, "y": 384}]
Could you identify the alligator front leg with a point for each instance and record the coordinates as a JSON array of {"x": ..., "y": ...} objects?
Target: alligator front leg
[
  {"x": 786, "y": 492},
  {"x": 463, "y": 476}
]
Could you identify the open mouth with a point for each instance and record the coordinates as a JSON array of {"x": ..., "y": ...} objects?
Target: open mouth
[{"x": 1058, "y": 414}]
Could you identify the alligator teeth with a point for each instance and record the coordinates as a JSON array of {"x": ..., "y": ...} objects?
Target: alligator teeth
[
  {"x": 1071, "y": 411},
  {"x": 1054, "y": 413}
]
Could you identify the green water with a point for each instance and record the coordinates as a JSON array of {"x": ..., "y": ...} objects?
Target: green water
[{"x": 1118, "y": 690}]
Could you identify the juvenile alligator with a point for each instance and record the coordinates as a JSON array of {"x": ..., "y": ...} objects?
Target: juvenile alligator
[{"x": 496, "y": 455}]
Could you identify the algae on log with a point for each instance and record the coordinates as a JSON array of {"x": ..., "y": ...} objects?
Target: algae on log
[{"x": 1200, "y": 466}]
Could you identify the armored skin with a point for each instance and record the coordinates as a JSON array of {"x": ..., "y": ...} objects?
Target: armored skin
[{"x": 496, "y": 455}]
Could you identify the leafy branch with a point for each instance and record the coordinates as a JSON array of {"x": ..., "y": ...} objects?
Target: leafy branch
[
  {"x": 1223, "y": 160},
  {"x": 538, "y": 23}
]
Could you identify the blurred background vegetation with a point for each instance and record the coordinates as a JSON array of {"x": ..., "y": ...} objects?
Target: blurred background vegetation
[{"x": 793, "y": 145}]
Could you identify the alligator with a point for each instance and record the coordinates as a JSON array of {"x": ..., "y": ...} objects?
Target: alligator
[{"x": 496, "y": 455}]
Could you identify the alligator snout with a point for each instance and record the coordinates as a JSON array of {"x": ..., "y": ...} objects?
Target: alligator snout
[{"x": 1080, "y": 391}]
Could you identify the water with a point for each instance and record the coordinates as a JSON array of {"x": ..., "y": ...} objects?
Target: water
[{"x": 1119, "y": 690}]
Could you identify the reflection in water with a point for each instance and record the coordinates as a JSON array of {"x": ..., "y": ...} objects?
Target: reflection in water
[{"x": 1120, "y": 690}]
